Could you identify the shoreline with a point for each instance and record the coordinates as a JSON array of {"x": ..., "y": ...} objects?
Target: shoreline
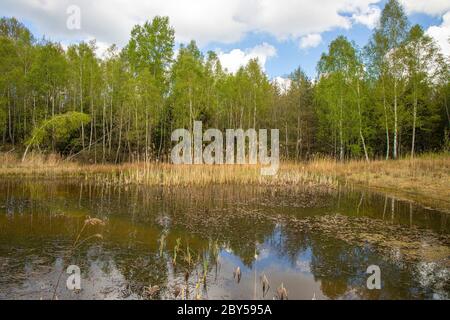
[{"x": 425, "y": 180}]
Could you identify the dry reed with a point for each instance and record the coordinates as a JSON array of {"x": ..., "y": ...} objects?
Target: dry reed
[{"x": 426, "y": 177}]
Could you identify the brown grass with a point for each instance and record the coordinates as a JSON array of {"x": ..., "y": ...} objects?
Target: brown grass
[
  {"x": 156, "y": 173},
  {"x": 426, "y": 178}
]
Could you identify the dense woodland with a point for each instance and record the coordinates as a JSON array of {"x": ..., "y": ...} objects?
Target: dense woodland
[{"x": 388, "y": 99}]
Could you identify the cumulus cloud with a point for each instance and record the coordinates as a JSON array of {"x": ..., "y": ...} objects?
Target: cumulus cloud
[
  {"x": 431, "y": 7},
  {"x": 214, "y": 21},
  {"x": 369, "y": 17},
  {"x": 442, "y": 34},
  {"x": 310, "y": 41},
  {"x": 283, "y": 83},
  {"x": 222, "y": 21},
  {"x": 236, "y": 58}
]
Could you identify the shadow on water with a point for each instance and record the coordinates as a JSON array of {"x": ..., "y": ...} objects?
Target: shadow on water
[{"x": 182, "y": 243}]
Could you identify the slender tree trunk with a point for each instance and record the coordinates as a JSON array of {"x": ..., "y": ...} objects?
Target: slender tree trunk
[
  {"x": 286, "y": 140},
  {"x": 26, "y": 151},
  {"x": 104, "y": 130},
  {"x": 297, "y": 145},
  {"x": 254, "y": 111},
  {"x": 91, "y": 133},
  {"x": 119, "y": 142},
  {"x": 53, "y": 129},
  {"x": 34, "y": 110},
  {"x": 81, "y": 100},
  {"x": 146, "y": 134},
  {"x": 414, "y": 123},
  {"x": 446, "y": 108},
  {"x": 25, "y": 115},
  {"x": 110, "y": 124},
  {"x": 137, "y": 130},
  {"x": 160, "y": 140},
  {"x": 94, "y": 138},
  {"x": 360, "y": 123},
  {"x": 341, "y": 137},
  {"x": 127, "y": 134},
  {"x": 386, "y": 122},
  {"x": 10, "y": 125},
  {"x": 395, "y": 147},
  {"x": 191, "y": 116},
  {"x": 299, "y": 132}
]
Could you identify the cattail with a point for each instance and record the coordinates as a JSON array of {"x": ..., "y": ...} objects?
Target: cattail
[
  {"x": 177, "y": 291},
  {"x": 282, "y": 293},
  {"x": 94, "y": 222},
  {"x": 237, "y": 274},
  {"x": 151, "y": 291},
  {"x": 265, "y": 284}
]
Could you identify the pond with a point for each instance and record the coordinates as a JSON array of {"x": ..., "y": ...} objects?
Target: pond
[{"x": 217, "y": 242}]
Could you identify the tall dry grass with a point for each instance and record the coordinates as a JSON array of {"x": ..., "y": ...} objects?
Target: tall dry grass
[
  {"x": 153, "y": 173},
  {"x": 427, "y": 176}
]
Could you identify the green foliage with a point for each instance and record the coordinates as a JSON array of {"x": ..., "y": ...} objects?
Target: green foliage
[
  {"x": 188, "y": 81},
  {"x": 59, "y": 127},
  {"x": 151, "y": 47},
  {"x": 3, "y": 118},
  {"x": 446, "y": 145},
  {"x": 340, "y": 95}
]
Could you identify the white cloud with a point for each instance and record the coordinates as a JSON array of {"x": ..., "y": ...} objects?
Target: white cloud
[
  {"x": 212, "y": 21},
  {"x": 102, "y": 48},
  {"x": 431, "y": 7},
  {"x": 223, "y": 21},
  {"x": 236, "y": 58},
  {"x": 442, "y": 34},
  {"x": 283, "y": 83},
  {"x": 369, "y": 18},
  {"x": 310, "y": 41}
]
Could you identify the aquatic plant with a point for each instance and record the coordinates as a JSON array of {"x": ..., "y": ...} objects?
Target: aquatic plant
[
  {"x": 150, "y": 291},
  {"x": 198, "y": 293},
  {"x": 205, "y": 267},
  {"x": 162, "y": 243},
  {"x": 430, "y": 171},
  {"x": 282, "y": 293},
  {"x": 177, "y": 291},
  {"x": 175, "y": 250},
  {"x": 237, "y": 274},
  {"x": 88, "y": 222},
  {"x": 265, "y": 284},
  {"x": 188, "y": 256}
]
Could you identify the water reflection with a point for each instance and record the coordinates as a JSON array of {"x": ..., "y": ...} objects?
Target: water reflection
[{"x": 188, "y": 242}]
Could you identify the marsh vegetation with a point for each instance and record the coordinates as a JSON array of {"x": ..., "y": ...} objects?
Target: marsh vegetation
[
  {"x": 425, "y": 179},
  {"x": 218, "y": 242}
]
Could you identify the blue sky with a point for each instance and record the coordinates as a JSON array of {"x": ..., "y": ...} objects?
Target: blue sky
[
  {"x": 283, "y": 34},
  {"x": 289, "y": 56}
]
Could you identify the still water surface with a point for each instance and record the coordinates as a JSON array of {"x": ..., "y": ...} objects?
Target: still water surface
[{"x": 189, "y": 242}]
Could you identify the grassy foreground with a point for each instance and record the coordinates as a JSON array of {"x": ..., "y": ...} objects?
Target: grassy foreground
[{"x": 425, "y": 179}]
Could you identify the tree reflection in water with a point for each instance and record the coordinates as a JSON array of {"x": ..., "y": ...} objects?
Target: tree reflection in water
[{"x": 254, "y": 229}]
